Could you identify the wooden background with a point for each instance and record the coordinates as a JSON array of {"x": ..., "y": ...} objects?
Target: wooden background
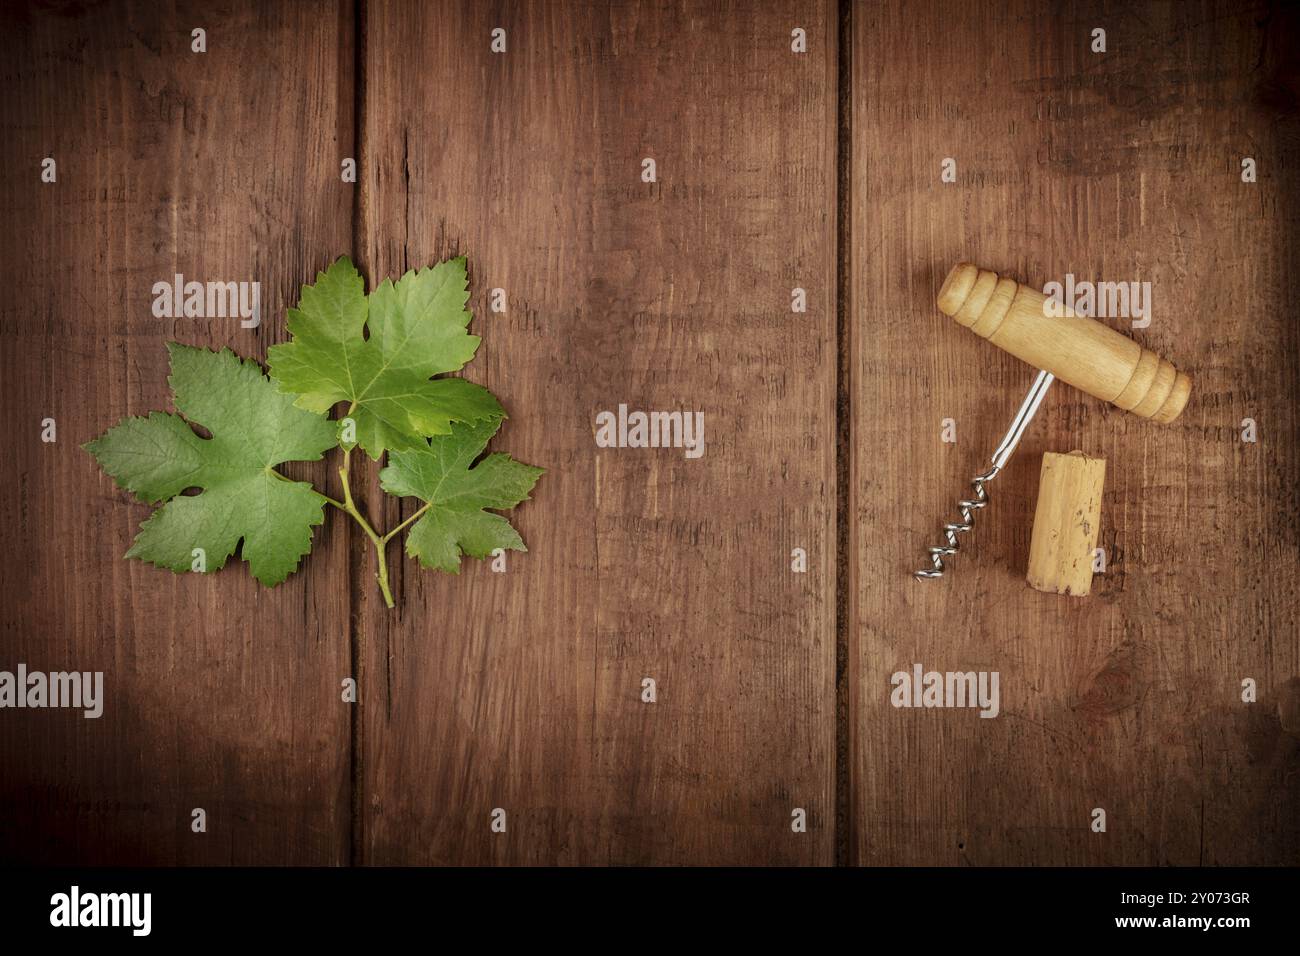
[{"x": 776, "y": 170}]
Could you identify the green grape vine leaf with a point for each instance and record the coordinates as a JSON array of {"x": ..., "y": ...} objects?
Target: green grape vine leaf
[
  {"x": 254, "y": 428},
  {"x": 380, "y": 354},
  {"x": 416, "y": 329},
  {"x": 456, "y": 492}
]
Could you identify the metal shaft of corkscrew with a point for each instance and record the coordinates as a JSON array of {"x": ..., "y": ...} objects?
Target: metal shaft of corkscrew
[{"x": 966, "y": 508}]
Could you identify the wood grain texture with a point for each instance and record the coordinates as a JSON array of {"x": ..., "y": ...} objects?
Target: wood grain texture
[
  {"x": 522, "y": 690},
  {"x": 1122, "y": 166},
  {"x": 220, "y": 694}
]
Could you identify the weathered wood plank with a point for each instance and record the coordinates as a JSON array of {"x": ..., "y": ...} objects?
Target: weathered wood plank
[
  {"x": 221, "y": 165},
  {"x": 522, "y": 690},
  {"x": 1115, "y": 166}
]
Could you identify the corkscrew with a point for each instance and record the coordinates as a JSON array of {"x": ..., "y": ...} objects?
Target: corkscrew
[
  {"x": 966, "y": 508},
  {"x": 1079, "y": 351}
]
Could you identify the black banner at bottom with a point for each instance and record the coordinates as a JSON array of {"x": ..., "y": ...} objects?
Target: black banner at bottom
[{"x": 216, "y": 905}]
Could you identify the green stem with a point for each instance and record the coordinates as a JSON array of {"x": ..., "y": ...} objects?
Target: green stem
[
  {"x": 350, "y": 507},
  {"x": 325, "y": 498},
  {"x": 421, "y": 510},
  {"x": 383, "y": 577}
]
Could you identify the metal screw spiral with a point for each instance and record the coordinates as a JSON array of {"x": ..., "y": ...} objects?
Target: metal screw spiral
[{"x": 966, "y": 508}]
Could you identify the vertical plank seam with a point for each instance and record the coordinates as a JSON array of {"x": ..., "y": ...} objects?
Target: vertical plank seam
[
  {"x": 356, "y": 572},
  {"x": 844, "y": 830}
]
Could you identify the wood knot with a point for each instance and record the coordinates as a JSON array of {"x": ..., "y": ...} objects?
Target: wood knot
[{"x": 1118, "y": 684}]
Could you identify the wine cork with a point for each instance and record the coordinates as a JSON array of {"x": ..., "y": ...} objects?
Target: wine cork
[{"x": 1067, "y": 523}]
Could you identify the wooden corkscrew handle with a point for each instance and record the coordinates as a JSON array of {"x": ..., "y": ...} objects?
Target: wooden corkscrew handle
[{"x": 1081, "y": 351}]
